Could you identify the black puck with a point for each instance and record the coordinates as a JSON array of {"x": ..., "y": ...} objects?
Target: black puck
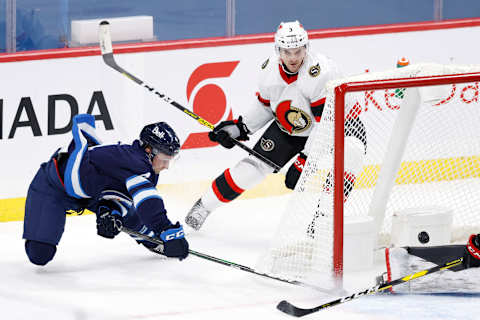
[{"x": 423, "y": 237}]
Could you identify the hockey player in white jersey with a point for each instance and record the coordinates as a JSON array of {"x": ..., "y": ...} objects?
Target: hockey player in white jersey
[{"x": 291, "y": 92}]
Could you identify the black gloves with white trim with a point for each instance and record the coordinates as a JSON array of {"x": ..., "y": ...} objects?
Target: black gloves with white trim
[
  {"x": 226, "y": 130},
  {"x": 109, "y": 221}
]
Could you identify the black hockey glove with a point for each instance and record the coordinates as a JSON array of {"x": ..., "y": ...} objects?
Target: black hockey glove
[
  {"x": 295, "y": 170},
  {"x": 109, "y": 222},
  {"x": 471, "y": 257},
  {"x": 226, "y": 130},
  {"x": 174, "y": 243}
]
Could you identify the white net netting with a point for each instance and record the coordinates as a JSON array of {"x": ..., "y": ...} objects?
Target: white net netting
[{"x": 422, "y": 150}]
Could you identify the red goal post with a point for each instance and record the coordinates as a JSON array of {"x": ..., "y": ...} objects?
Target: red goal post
[
  {"x": 340, "y": 92},
  {"x": 412, "y": 147}
]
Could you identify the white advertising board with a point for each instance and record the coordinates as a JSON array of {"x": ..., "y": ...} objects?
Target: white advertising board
[{"x": 37, "y": 98}]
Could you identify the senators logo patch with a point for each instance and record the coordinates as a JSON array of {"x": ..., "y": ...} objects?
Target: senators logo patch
[
  {"x": 264, "y": 65},
  {"x": 267, "y": 144},
  {"x": 314, "y": 70},
  {"x": 290, "y": 119}
]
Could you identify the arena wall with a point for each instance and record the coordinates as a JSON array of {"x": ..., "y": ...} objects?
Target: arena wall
[{"x": 215, "y": 78}]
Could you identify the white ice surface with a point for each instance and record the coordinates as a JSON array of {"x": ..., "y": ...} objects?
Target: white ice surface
[{"x": 96, "y": 278}]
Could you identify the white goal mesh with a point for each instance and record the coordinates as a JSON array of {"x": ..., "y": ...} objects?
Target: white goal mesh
[{"x": 412, "y": 139}]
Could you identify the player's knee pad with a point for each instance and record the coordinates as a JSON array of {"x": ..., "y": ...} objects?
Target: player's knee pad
[
  {"x": 39, "y": 253},
  {"x": 233, "y": 182},
  {"x": 249, "y": 172}
]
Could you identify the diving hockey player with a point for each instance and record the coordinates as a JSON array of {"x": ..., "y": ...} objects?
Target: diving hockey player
[
  {"x": 117, "y": 182},
  {"x": 463, "y": 279},
  {"x": 291, "y": 92}
]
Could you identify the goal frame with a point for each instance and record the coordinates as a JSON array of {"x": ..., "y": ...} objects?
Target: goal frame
[{"x": 356, "y": 86}]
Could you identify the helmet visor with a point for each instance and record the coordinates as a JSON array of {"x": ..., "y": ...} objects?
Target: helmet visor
[
  {"x": 164, "y": 160},
  {"x": 168, "y": 150}
]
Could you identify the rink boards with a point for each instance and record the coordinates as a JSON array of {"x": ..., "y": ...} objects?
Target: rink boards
[{"x": 214, "y": 78}]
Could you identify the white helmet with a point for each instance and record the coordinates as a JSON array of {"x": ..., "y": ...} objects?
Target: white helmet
[{"x": 290, "y": 35}]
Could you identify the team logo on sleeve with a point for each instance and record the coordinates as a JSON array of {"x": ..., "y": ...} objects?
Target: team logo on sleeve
[
  {"x": 291, "y": 119},
  {"x": 146, "y": 175},
  {"x": 267, "y": 144},
  {"x": 264, "y": 65},
  {"x": 314, "y": 70}
]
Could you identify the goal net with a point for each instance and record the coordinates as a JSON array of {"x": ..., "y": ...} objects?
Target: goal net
[{"x": 387, "y": 141}]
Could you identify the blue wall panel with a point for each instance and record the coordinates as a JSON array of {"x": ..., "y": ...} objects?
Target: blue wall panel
[
  {"x": 43, "y": 24},
  {"x": 263, "y": 16}
]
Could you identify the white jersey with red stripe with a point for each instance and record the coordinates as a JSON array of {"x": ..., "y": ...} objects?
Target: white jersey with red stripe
[{"x": 296, "y": 101}]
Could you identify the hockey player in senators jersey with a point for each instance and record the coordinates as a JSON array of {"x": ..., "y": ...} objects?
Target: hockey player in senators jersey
[
  {"x": 117, "y": 182},
  {"x": 291, "y": 92}
]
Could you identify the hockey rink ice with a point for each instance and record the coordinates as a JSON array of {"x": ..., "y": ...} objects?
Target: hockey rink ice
[{"x": 96, "y": 278}]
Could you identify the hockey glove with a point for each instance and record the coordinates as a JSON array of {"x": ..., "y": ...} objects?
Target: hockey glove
[
  {"x": 109, "y": 222},
  {"x": 295, "y": 170},
  {"x": 174, "y": 243},
  {"x": 226, "y": 130},
  {"x": 471, "y": 257}
]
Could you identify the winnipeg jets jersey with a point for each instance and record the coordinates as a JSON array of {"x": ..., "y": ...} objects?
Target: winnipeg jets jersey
[
  {"x": 295, "y": 101},
  {"x": 127, "y": 169},
  {"x": 121, "y": 168},
  {"x": 89, "y": 170}
]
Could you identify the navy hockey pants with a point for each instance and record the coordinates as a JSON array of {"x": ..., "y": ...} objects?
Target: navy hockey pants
[{"x": 45, "y": 211}]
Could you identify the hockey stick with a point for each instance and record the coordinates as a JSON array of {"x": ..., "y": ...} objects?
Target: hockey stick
[
  {"x": 107, "y": 54},
  {"x": 292, "y": 310},
  {"x": 211, "y": 258}
]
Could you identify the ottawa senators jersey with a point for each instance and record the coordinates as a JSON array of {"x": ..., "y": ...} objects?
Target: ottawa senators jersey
[{"x": 295, "y": 101}]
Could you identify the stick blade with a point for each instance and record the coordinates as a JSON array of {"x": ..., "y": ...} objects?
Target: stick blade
[
  {"x": 290, "y": 309},
  {"x": 104, "y": 38}
]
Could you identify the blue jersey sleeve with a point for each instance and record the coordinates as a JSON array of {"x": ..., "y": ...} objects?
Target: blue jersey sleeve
[
  {"x": 127, "y": 169},
  {"x": 147, "y": 201}
]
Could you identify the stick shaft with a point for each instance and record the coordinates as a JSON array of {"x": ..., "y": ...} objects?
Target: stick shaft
[
  {"x": 290, "y": 309},
  {"x": 108, "y": 58},
  {"x": 208, "y": 257}
]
